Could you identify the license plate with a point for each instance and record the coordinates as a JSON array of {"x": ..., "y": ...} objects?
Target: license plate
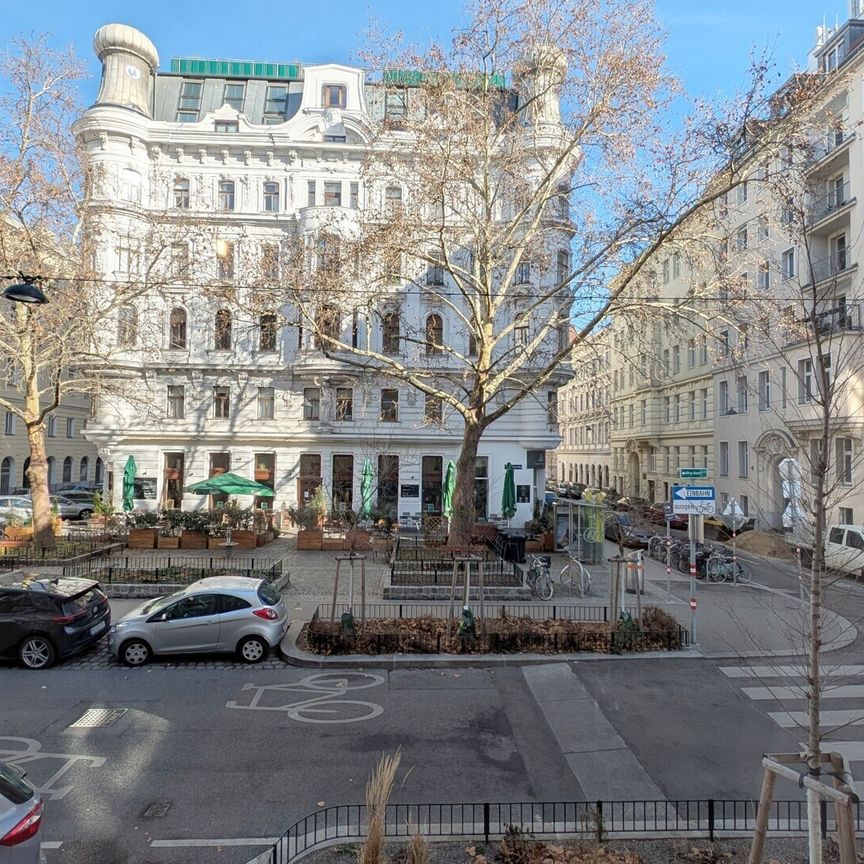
[{"x": 98, "y": 628}]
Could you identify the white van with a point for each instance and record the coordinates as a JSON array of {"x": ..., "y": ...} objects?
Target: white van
[{"x": 844, "y": 549}]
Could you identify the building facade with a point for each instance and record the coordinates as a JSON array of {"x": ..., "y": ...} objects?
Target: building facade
[{"x": 241, "y": 155}]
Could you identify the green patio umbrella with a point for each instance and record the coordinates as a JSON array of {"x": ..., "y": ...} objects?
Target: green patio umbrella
[
  {"x": 508, "y": 496},
  {"x": 229, "y": 484},
  {"x": 449, "y": 488},
  {"x": 366, "y": 481},
  {"x": 129, "y": 483}
]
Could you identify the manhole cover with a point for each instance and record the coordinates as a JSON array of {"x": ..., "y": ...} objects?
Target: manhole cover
[
  {"x": 93, "y": 718},
  {"x": 157, "y": 809}
]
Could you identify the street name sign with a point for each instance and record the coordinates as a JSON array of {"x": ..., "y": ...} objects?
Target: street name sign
[
  {"x": 693, "y": 473},
  {"x": 693, "y": 500}
]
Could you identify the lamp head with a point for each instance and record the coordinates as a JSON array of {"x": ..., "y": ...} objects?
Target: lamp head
[{"x": 25, "y": 292}]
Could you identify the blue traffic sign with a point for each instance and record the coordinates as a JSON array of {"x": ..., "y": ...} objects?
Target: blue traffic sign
[{"x": 694, "y": 500}]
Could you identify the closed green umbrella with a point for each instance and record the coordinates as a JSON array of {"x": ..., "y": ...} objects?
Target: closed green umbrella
[
  {"x": 508, "y": 496},
  {"x": 229, "y": 484},
  {"x": 449, "y": 488},
  {"x": 366, "y": 481},
  {"x": 129, "y": 483}
]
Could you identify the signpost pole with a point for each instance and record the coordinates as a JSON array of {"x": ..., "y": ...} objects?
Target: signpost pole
[
  {"x": 668, "y": 556},
  {"x": 692, "y": 529}
]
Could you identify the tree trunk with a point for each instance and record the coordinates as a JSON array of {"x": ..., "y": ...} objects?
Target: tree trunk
[
  {"x": 464, "y": 512},
  {"x": 37, "y": 474}
]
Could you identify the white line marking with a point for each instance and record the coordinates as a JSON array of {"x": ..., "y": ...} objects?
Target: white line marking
[
  {"x": 841, "y": 691},
  {"x": 789, "y": 671},
  {"x": 852, "y": 750},
  {"x": 51, "y": 844},
  {"x": 790, "y": 719},
  {"x": 223, "y": 841}
]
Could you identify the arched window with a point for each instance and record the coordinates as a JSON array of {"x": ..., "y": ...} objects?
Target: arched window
[
  {"x": 52, "y": 469},
  {"x": 181, "y": 193},
  {"x": 434, "y": 334},
  {"x": 127, "y": 326},
  {"x": 390, "y": 332},
  {"x": 130, "y": 186},
  {"x": 222, "y": 331},
  {"x": 25, "y": 477},
  {"x": 67, "y": 470},
  {"x": 7, "y": 471},
  {"x": 177, "y": 334},
  {"x": 84, "y": 470},
  {"x": 100, "y": 471}
]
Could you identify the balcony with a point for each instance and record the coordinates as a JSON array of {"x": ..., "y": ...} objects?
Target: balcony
[
  {"x": 826, "y": 208},
  {"x": 830, "y": 147},
  {"x": 833, "y": 266},
  {"x": 840, "y": 319}
]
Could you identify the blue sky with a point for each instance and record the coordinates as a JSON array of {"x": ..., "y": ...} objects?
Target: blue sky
[{"x": 709, "y": 44}]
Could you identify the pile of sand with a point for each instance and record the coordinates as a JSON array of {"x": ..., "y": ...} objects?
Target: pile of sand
[{"x": 764, "y": 543}]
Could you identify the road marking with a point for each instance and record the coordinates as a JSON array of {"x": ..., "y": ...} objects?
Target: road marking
[
  {"x": 33, "y": 753},
  {"x": 852, "y": 750},
  {"x": 791, "y": 719},
  {"x": 51, "y": 844},
  {"x": 222, "y": 841},
  {"x": 789, "y": 671},
  {"x": 840, "y": 691}
]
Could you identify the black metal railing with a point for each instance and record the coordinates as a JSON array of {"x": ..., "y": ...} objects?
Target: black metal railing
[
  {"x": 13, "y": 557},
  {"x": 708, "y": 818},
  {"x": 545, "y": 612},
  {"x": 496, "y": 573},
  {"x": 179, "y": 569}
]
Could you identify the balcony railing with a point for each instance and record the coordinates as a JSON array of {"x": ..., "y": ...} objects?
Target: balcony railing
[
  {"x": 830, "y": 142},
  {"x": 838, "y": 197},
  {"x": 836, "y": 320},
  {"x": 832, "y": 265}
]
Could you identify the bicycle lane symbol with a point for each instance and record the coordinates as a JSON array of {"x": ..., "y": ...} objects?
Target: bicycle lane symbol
[
  {"x": 31, "y": 754},
  {"x": 323, "y": 702}
]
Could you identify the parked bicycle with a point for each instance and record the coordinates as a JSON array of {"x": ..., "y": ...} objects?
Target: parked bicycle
[
  {"x": 575, "y": 573},
  {"x": 721, "y": 568},
  {"x": 538, "y": 579}
]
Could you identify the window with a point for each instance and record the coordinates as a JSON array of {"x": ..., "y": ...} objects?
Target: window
[
  {"x": 179, "y": 260},
  {"x": 328, "y": 326},
  {"x": 742, "y": 394},
  {"x": 666, "y": 365},
  {"x": 844, "y": 451},
  {"x": 743, "y": 459},
  {"x": 226, "y": 126},
  {"x": 741, "y": 192},
  {"x": 703, "y": 353},
  {"x": 764, "y": 387},
  {"x": 130, "y": 186},
  {"x": 333, "y": 194},
  {"x": 10, "y": 423},
  {"x": 724, "y": 343},
  {"x": 839, "y": 260},
  {"x": 344, "y": 404},
  {"x": 744, "y": 502},
  {"x": 435, "y": 272},
  {"x": 222, "y": 330},
  {"x": 328, "y": 253},
  {"x": 225, "y": 258},
  {"x": 434, "y": 335},
  {"x": 235, "y": 93},
  {"x": 762, "y": 231},
  {"x": 433, "y": 411},
  {"x": 311, "y": 403},
  {"x": 472, "y": 345},
  {"x": 667, "y": 409},
  {"x": 190, "y": 102},
  {"x": 389, "y": 405},
  {"x": 643, "y": 412},
  {"x": 310, "y": 193},
  {"x": 666, "y": 271},
  {"x": 562, "y": 263},
  {"x": 390, "y": 333},
  {"x": 267, "y": 330},
  {"x": 226, "y": 194},
  {"x": 177, "y": 328},
  {"x": 67, "y": 470},
  {"x": 270, "y": 263},
  {"x": 70, "y": 427},
  {"x": 520, "y": 336},
  {"x": 266, "y": 403},
  {"x": 392, "y": 200},
  {"x": 723, "y": 398},
  {"x": 764, "y": 276},
  {"x": 128, "y": 256},
  {"x": 7, "y": 478},
  {"x": 741, "y": 239},
  {"x": 787, "y": 264},
  {"x": 354, "y": 194},
  {"x": 396, "y": 103},
  {"x": 52, "y": 426},
  {"x": 176, "y": 402},
  {"x": 127, "y": 326},
  {"x": 805, "y": 381},
  {"x": 334, "y": 96},
  {"x": 222, "y": 402},
  {"x": 692, "y": 404},
  {"x": 676, "y": 359},
  {"x": 523, "y": 273},
  {"x": 691, "y": 353},
  {"x": 271, "y": 197},
  {"x": 677, "y": 404},
  {"x": 676, "y": 265},
  {"x": 276, "y": 104},
  {"x": 723, "y": 468},
  {"x": 846, "y": 516}
]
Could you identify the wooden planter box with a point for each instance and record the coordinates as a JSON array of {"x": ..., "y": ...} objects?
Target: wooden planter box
[
  {"x": 359, "y": 541},
  {"x": 142, "y": 538},
  {"x": 264, "y": 538},
  {"x": 549, "y": 541},
  {"x": 193, "y": 540},
  {"x": 309, "y": 541},
  {"x": 534, "y": 545},
  {"x": 14, "y": 533},
  {"x": 214, "y": 543},
  {"x": 262, "y": 475},
  {"x": 167, "y": 542},
  {"x": 333, "y": 543},
  {"x": 244, "y": 539}
]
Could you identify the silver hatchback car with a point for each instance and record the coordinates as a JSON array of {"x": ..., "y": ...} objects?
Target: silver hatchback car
[
  {"x": 217, "y": 614},
  {"x": 20, "y": 818}
]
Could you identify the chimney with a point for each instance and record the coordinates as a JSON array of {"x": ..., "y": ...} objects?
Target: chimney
[{"x": 129, "y": 62}]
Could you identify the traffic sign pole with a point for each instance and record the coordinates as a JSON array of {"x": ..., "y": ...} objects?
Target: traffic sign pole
[
  {"x": 668, "y": 558},
  {"x": 691, "y": 528}
]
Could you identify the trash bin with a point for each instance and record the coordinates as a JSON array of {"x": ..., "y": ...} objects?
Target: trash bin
[
  {"x": 635, "y": 575},
  {"x": 514, "y": 547}
]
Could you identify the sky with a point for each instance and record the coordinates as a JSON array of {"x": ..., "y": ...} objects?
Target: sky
[{"x": 709, "y": 44}]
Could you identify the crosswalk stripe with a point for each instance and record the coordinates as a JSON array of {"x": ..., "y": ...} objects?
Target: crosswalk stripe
[
  {"x": 852, "y": 750},
  {"x": 839, "y": 691},
  {"x": 791, "y": 719},
  {"x": 789, "y": 671}
]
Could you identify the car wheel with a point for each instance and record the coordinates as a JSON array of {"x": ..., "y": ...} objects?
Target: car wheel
[
  {"x": 135, "y": 652},
  {"x": 85, "y": 514},
  {"x": 252, "y": 649},
  {"x": 36, "y": 652}
]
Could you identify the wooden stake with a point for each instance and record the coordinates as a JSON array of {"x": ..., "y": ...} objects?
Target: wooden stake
[
  {"x": 766, "y": 796},
  {"x": 363, "y": 591},
  {"x": 335, "y": 591},
  {"x": 480, "y": 581},
  {"x": 452, "y": 597}
]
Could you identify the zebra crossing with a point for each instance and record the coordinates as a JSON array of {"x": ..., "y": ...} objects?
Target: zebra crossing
[{"x": 783, "y": 688}]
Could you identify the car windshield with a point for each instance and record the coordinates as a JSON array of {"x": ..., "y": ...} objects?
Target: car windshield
[{"x": 160, "y": 602}]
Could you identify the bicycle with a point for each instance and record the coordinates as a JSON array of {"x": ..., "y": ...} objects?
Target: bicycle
[
  {"x": 721, "y": 568},
  {"x": 584, "y": 577},
  {"x": 538, "y": 579},
  {"x": 657, "y": 547}
]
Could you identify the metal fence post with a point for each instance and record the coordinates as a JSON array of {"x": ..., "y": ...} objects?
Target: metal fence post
[
  {"x": 486, "y": 822},
  {"x": 711, "y": 819},
  {"x": 823, "y": 817}
]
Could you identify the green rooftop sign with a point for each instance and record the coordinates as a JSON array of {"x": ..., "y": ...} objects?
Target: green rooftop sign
[
  {"x": 414, "y": 78},
  {"x": 236, "y": 68}
]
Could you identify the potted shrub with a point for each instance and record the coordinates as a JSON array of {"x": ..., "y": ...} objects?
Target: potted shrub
[
  {"x": 142, "y": 530},
  {"x": 170, "y": 529},
  {"x": 263, "y": 473},
  {"x": 194, "y": 529},
  {"x": 216, "y": 534},
  {"x": 242, "y": 523},
  {"x": 310, "y": 535}
]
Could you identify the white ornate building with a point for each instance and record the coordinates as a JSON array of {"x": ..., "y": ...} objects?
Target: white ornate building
[{"x": 252, "y": 153}]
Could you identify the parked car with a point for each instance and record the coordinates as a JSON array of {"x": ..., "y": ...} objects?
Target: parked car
[
  {"x": 657, "y": 516},
  {"x": 70, "y": 508},
  {"x": 14, "y": 507},
  {"x": 576, "y": 490},
  {"x": 217, "y": 614},
  {"x": 77, "y": 495},
  {"x": 43, "y": 620},
  {"x": 20, "y": 818},
  {"x": 844, "y": 549},
  {"x": 621, "y": 525},
  {"x": 562, "y": 489}
]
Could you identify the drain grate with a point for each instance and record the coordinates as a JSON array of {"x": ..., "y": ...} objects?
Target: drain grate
[
  {"x": 94, "y": 718},
  {"x": 157, "y": 809}
]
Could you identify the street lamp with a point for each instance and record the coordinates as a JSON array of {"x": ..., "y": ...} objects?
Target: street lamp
[{"x": 26, "y": 292}]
